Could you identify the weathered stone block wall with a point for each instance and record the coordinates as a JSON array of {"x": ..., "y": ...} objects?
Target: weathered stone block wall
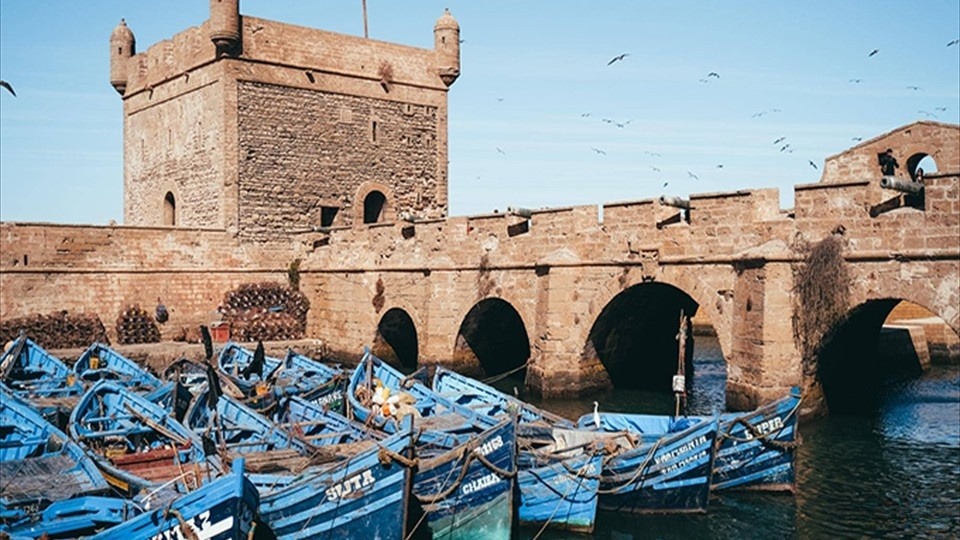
[
  {"x": 46, "y": 268},
  {"x": 302, "y": 149}
]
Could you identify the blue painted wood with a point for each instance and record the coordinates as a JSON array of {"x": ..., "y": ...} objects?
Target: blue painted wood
[
  {"x": 38, "y": 462},
  {"x": 743, "y": 460},
  {"x": 224, "y": 509},
  {"x": 71, "y": 518},
  {"x": 467, "y": 462},
  {"x": 312, "y": 380},
  {"x": 43, "y": 380},
  {"x": 234, "y": 358},
  {"x": 668, "y": 471},
  {"x": 363, "y": 497},
  {"x": 320, "y": 426},
  {"x": 100, "y": 362},
  {"x": 138, "y": 447}
]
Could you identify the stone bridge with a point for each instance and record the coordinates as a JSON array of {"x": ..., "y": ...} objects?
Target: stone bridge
[{"x": 586, "y": 296}]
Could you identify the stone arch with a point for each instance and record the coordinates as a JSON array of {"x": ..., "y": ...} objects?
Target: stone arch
[
  {"x": 492, "y": 339},
  {"x": 371, "y": 194},
  {"x": 169, "y": 213},
  {"x": 921, "y": 160},
  {"x": 634, "y": 336},
  {"x": 396, "y": 339}
]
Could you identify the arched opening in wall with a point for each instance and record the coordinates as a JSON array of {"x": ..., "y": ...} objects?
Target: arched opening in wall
[
  {"x": 169, "y": 209},
  {"x": 635, "y": 339},
  {"x": 373, "y": 205},
  {"x": 492, "y": 340},
  {"x": 396, "y": 340},
  {"x": 920, "y": 163},
  {"x": 881, "y": 347}
]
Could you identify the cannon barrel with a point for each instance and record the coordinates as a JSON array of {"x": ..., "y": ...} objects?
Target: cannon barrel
[
  {"x": 903, "y": 186},
  {"x": 675, "y": 202},
  {"x": 519, "y": 211}
]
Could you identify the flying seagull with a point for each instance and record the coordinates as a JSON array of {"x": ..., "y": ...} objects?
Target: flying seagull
[
  {"x": 665, "y": 184},
  {"x": 954, "y": 42},
  {"x": 873, "y": 53},
  {"x": 713, "y": 74},
  {"x": 585, "y": 115},
  {"x": 617, "y": 58},
  {"x": 649, "y": 153},
  {"x": 779, "y": 140},
  {"x": 784, "y": 147},
  {"x": 720, "y": 166},
  {"x": 599, "y": 151},
  {"x": 691, "y": 175},
  {"x": 812, "y": 164},
  {"x": 941, "y": 109},
  {"x": 927, "y": 114},
  {"x": 655, "y": 169},
  {"x": 501, "y": 151},
  {"x": 759, "y": 114},
  {"x": 856, "y": 81},
  {"x": 9, "y": 88},
  {"x": 913, "y": 88},
  {"x": 856, "y": 138}
]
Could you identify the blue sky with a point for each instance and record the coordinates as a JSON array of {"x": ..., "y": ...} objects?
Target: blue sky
[{"x": 531, "y": 72}]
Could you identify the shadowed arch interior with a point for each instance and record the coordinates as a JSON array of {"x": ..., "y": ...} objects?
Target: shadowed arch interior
[
  {"x": 396, "y": 340},
  {"x": 373, "y": 205},
  {"x": 850, "y": 367},
  {"x": 635, "y": 336},
  {"x": 494, "y": 334}
]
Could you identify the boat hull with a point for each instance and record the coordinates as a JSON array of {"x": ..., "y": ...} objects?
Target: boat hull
[{"x": 562, "y": 494}]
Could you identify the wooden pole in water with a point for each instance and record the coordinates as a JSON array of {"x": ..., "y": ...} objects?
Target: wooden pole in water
[{"x": 679, "y": 382}]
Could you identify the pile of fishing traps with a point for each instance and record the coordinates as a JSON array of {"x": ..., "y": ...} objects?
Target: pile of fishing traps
[
  {"x": 136, "y": 325},
  {"x": 57, "y": 330},
  {"x": 265, "y": 312}
]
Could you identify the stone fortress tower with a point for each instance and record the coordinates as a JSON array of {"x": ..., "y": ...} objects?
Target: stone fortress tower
[{"x": 266, "y": 129}]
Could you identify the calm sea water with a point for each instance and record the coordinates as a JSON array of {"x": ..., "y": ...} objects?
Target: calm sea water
[{"x": 895, "y": 474}]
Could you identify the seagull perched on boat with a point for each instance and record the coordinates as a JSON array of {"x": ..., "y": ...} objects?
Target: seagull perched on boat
[{"x": 596, "y": 414}]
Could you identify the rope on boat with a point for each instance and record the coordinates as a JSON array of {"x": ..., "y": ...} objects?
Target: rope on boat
[
  {"x": 504, "y": 375},
  {"x": 185, "y": 529},
  {"x": 387, "y": 456},
  {"x": 768, "y": 438},
  {"x": 640, "y": 470},
  {"x": 444, "y": 493},
  {"x": 502, "y": 473},
  {"x": 424, "y": 513},
  {"x": 580, "y": 476}
]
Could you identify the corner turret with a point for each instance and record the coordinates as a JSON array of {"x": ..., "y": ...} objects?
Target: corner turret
[
  {"x": 225, "y": 26},
  {"x": 446, "y": 43},
  {"x": 122, "y": 47}
]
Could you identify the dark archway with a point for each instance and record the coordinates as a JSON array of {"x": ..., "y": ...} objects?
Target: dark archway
[
  {"x": 635, "y": 337},
  {"x": 853, "y": 370},
  {"x": 373, "y": 205},
  {"x": 169, "y": 209},
  {"x": 920, "y": 161},
  {"x": 492, "y": 335},
  {"x": 396, "y": 340}
]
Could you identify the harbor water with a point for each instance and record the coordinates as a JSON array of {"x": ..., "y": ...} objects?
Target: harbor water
[{"x": 893, "y": 474}]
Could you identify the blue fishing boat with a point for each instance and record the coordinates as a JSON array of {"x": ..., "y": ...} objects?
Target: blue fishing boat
[
  {"x": 668, "y": 469},
  {"x": 248, "y": 370},
  {"x": 70, "y": 518},
  {"x": 138, "y": 446},
  {"x": 100, "y": 362},
  {"x": 321, "y": 426},
  {"x": 224, "y": 509},
  {"x": 466, "y": 462},
  {"x": 314, "y": 381},
  {"x": 558, "y": 467},
  {"x": 45, "y": 381},
  {"x": 191, "y": 374},
  {"x": 756, "y": 450},
  {"x": 363, "y": 497},
  {"x": 48, "y": 485}
]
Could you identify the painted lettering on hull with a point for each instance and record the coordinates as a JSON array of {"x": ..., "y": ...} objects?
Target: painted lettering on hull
[{"x": 351, "y": 485}]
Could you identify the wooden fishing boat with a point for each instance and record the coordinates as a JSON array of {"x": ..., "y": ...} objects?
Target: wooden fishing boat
[
  {"x": 248, "y": 370},
  {"x": 321, "y": 426},
  {"x": 139, "y": 448},
  {"x": 558, "y": 467},
  {"x": 466, "y": 462},
  {"x": 756, "y": 450},
  {"x": 363, "y": 497},
  {"x": 69, "y": 518},
  {"x": 100, "y": 362},
  {"x": 43, "y": 380},
  {"x": 189, "y": 373},
  {"x": 39, "y": 464},
  {"x": 314, "y": 381},
  {"x": 224, "y": 509},
  {"x": 668, "y": 470}
]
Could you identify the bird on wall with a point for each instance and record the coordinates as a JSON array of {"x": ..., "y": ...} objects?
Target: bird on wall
[
  {"x": 618, "y": 58},
  {"x": 9, "y": 88},
  {"x": 596, "y": 414}
]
